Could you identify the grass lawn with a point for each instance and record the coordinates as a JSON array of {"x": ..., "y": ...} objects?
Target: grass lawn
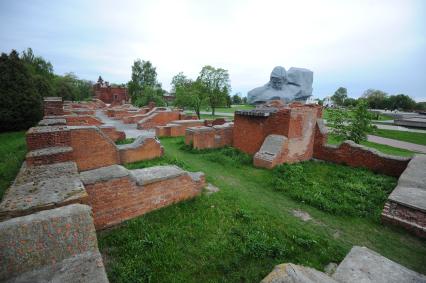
[
  {"x": 380, "y": 147},
  {"x": 418, "y": 138},
  {"x": 241, "y": 232},
  {"x": 12, "y": 153},
  {"x": 125, "y": 141},
  {"x": 230, "y": 110}
]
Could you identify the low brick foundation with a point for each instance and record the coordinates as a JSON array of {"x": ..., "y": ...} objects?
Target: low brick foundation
[
  {"x": 411, "y": 219},
  {"x": 210, "y": 137},
  {"x": 177, "y": 128},
  {"x": 158, "y": 118},
  {"x": 112, "y": 133},
  {"x": 49, "y": 155},
  {"x": 117, "y": 194},
  {"x": 143, "y": 148}
]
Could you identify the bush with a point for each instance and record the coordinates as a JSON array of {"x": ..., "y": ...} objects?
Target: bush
[{"x": 20, "y": 101}]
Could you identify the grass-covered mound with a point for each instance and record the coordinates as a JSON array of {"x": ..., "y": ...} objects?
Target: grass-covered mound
[
  {"x": 241, "y": 232},
  {"x": 335, "y": 188}
]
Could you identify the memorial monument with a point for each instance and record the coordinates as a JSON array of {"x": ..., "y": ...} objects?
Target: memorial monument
[{"x": 294, "y": 85}]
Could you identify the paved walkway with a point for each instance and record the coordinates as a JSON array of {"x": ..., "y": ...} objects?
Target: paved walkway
[
  {"x": 130, "y": 129},
  {"x": 397, "y": 143}
]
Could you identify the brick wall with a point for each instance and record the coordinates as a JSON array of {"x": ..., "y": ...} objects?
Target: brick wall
[
  {"x": 160, "y": 118},
  {"x": 120, "y": 199},
  {"x": 354, "y": 155},
  {"x": 149, "y": 149},
  {"x": 42, "y": 137},
  {"x": 53, "y": 106},
  {"x": 209, "y": 137},
  {"x": 411, "y": 219},
  {"x": 112, "y": 133},
  {"x": 92, "y": 149},
  {"x": 82, "y": 120},
  {"x": 54, "y": 156}
]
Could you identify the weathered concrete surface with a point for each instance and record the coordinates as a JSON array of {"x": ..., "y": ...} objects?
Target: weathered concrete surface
[
  {"x": 364, "y": 265},
  {"x": 292, "y": 273},
  {"x": 155, "y": 174},
  {"x": 86, "y": 267},
  {"x": 42, "y": 187},
  {"x": 411, "y": 188},
  {"x": 45, "y": 238},
  {"x": 103, "y": 174},
  {"x": 271, "y": 151},
  {"x": 406, "y": 205}
]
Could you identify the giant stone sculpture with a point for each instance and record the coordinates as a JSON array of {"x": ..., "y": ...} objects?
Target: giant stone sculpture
[{"x": 294, "y": 85}]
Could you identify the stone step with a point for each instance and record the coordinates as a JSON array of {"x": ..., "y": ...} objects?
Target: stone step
[
  {"x": 49, "y": 155},
  {"x": 364, "y": 265}
]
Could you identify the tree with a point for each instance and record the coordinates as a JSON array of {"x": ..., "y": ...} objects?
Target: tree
[
  {"x": 350, "y": 102},
  {"x": 188, "y": 93},
  {"x": 353, "y": 128},
  {"x": 236, "y": 98},
  {"x": 41, "y": 70},
  {"x": 20, "y": 101},
  {"x": 402, "y": 102},
  {"x": 376, "y": 99},
  {"x": 144, "y": 79},
  {"x": 339, "y": 96},
  {"x": 215, "y": 84}
]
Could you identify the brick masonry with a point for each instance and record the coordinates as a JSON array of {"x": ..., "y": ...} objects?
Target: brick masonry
[
  {"x": 121, "y": 199},
  {"x": 411, "y": 219}
]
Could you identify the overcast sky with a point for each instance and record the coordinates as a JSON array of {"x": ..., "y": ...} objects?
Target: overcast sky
[{"x": 355, "y": 44}]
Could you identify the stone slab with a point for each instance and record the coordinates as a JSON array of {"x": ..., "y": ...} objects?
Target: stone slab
[
  {"x": 103, "y": 174},
  {"x": 364, "y": 265},
  {"x": 156, "y": 174},
  {"x": 86, "y": 267},
  {"x": 411, "y": 188},
  {"x": 42, "y": 187},
  {"x": 45, "y": 238},
  {"x": 292, "y": 273},
  {"x": 52, "y": 122},
  {"x": 49, "y": 151}
]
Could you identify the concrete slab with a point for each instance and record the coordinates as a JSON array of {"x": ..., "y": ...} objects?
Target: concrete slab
[
  {"x": 293, "y": 273},
  {"x": 42, "y": 187},
  {"x": 156, "y": 174},
  {"x": 363, "y": 265},
  {"x": 103, "y": 174}
]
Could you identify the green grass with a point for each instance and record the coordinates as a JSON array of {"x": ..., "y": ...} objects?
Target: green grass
[
  {"x": 125, "y": 141},
  {"x": 241, "y": 232},
  {"x": 12, "y": 153},
  {"x": 384, "y": 117},
  {"x": 380, "y": 147},
  {"x": 417, "y": 138},
  {"x": 211, "y": 117},
  {"x": 230, "y": 110}
]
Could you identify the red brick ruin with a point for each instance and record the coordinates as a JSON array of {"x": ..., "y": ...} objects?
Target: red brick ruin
[{"x": 115, "y": 95}]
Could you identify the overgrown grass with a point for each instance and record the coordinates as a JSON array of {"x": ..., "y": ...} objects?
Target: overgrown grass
[
  {"x": 125, "y": 141},
  {"x": 334, "y": 188},
  {"x": 418, "y": 138},
  {"x": 12, "y": 153},
  {"x": 241, "y": 232},
  {"x": 232, "y": 109},
  {"x": 332, "y": 139}
]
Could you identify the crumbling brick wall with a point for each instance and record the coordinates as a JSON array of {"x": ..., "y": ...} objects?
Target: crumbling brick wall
[
  {"x": 159, "y": 118},
  {"x": 92, "y": 149},
  {"x": 354, "y": 155},
  {"x": 53, "y": 106}
]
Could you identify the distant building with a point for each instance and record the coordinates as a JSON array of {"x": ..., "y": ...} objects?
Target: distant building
[
  {"x": 110, "y": 94},
  {"x": 327, "y": 102},
  {"x": 169, "y": 97},
  {"x": 311, "y": 100}
]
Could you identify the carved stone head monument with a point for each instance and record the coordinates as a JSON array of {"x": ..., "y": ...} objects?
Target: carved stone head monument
[{"x": 294, "y": 85}]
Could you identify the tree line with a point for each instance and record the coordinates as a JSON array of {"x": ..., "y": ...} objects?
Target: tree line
[
  {"x": 211, "y": 88},
  {"x": 377, "y": 99},
  {"x": 24, "y": 80}
]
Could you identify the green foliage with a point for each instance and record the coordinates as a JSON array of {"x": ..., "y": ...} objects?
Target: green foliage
[
  {"x": 236, "y": 99},
  {"x": 12, "y": 153},
  {"x": 351, "y": 125},
  {"x": 189, "y": 93},
  {"x": 125, "y": 141},
  {"x": 215, "y": 84},
  {"x": 335, "y": 188},
  {"x": 339, "y": 96},
  {"x": 144, "y": 87},
  {"x": 20, "y": 100},
  {"x": 378, "y": 99}
]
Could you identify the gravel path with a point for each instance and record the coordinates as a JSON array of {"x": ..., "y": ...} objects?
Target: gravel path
[
  {"x": 130, "y": 129},
  {"x": 397, "y": 143}
]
